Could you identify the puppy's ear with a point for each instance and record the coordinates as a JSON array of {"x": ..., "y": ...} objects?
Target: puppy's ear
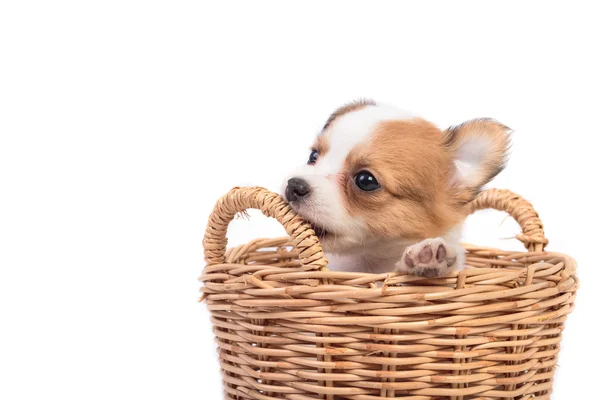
[{"x": 479, "y": 149}]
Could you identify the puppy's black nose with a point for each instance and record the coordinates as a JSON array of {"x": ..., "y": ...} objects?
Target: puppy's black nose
[{"x": 296, "y": 189}]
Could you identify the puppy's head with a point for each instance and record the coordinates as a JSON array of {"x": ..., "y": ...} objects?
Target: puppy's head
[{"x": 376, "y": 173}]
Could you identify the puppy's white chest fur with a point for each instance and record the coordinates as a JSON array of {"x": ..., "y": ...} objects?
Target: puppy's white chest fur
[{"x": 430, "y": 257}]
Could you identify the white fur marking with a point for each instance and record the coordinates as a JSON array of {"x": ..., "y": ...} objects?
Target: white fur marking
[{"x": 352, "y": 129}]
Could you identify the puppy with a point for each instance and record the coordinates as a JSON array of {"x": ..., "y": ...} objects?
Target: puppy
[{"x": 386, "y": 190}]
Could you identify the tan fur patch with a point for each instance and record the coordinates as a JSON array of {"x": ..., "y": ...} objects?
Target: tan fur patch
[{"x": 411, "y": 162}]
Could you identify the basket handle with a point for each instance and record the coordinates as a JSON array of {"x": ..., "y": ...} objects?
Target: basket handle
[
  {"x": 520, "y": 209},
  {"x": 270, "y": 204}
]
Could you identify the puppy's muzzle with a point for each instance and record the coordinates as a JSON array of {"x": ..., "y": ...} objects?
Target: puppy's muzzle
[{"x": 297, "y": 189}]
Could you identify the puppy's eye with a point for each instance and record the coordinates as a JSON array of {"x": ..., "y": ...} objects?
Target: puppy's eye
[
  {"x": 366, "y": 182},
  {"x": 312, "y": 159}
]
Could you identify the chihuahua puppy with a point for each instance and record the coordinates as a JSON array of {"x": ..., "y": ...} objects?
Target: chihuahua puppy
[{"x": 386, "y": 190}]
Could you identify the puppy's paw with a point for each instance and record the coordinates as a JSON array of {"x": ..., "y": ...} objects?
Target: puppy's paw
[{"x": 431, "y": 258}]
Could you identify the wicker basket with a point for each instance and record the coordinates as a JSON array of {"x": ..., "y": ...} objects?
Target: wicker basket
[{"x": 288, "y": 328}]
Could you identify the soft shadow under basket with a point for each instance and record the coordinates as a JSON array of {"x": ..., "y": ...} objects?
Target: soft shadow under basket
[{"x": 288, "y": 328}]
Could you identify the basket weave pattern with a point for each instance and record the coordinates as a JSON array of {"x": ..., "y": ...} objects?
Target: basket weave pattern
[{"x": 288, "y": 328}]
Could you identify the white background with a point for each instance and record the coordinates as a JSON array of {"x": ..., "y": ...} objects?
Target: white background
[{"x": 122, "y": 122}]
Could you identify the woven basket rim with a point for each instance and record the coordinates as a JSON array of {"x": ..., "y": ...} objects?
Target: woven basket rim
[
  {"x": 302, "y": 237},
  {"x": 526, "y": 256}
]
